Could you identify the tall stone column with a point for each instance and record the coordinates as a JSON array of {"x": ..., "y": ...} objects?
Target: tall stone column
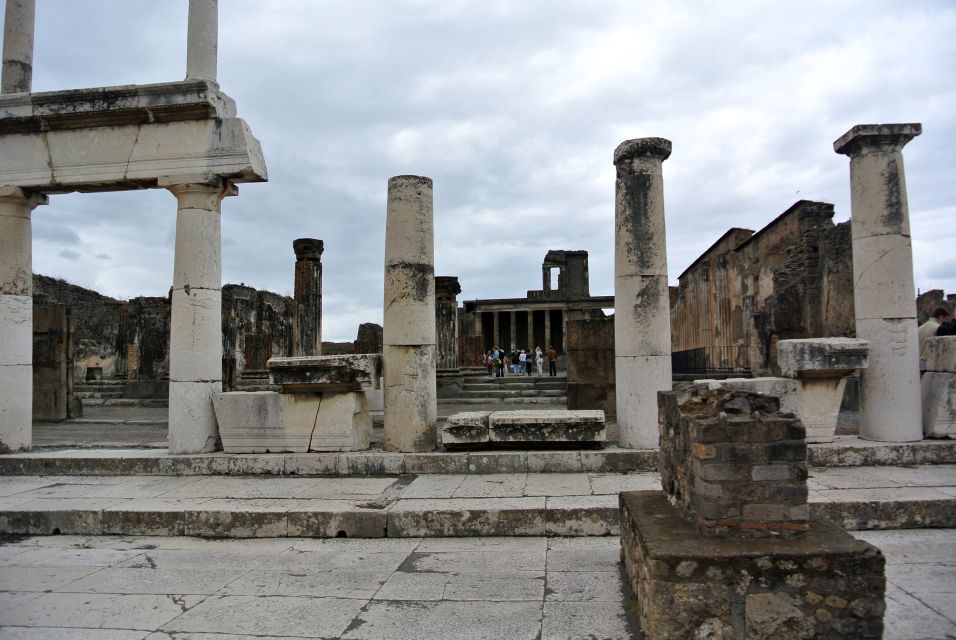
[
  {"x": 202, "y": 40},
  {"x": 307, "y": 330},
  {"x": 642, "y": 332},
  {"x": 16, "y": 317},
  {"x": 18, "y": 25},
  {"x": 446, "y": 321},
  {"x": 195, "y": 340},
  {"x": 884, "y": 294},
  {"x": 411, "y": 408}
]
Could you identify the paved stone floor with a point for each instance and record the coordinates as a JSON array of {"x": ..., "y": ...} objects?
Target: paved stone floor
[{"x": 131, "y": 588}]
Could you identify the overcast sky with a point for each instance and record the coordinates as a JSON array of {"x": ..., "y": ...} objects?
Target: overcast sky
[{"x": 513, "y": 109}]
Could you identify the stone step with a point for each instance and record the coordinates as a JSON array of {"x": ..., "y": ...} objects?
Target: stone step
[
  {"x": 155, "y": 403},
  {"x": 514, "y": 393},
  {"x": 257, "y": 387},
  {"x": 100, "y": 383},
  {"x": 367, "y": 507},
  {"x": 558, "y": 401},
  {"x": 541, "y": 386},
  {"x": 845, "y": 451},
  {"x": 97, "y": 395}
]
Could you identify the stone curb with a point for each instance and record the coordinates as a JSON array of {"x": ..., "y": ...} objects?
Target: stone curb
[
  {"x": 373, "y": 463},
  {"x": 550, "y": 520}
]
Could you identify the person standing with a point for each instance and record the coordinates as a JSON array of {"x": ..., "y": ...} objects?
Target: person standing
[
  {"x": 927, "y": 330},
  {"x": 539, "y": 360},
  {"x": 552, "y": 361},
  {"x": 527, "y": 362},
  {"x": 490, "y": 363},
  {"x": 522, "y": 362}
]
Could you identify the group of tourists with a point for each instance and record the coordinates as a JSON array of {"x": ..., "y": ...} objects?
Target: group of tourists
[{"x": 520, "y": 361}]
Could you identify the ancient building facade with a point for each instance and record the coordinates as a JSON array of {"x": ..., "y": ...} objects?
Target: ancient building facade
[
  {"x": 541, "y": 318},
  {"x": 791, "y": 279}
]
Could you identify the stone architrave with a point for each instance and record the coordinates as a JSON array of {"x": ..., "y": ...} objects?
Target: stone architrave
[
  {"x": 195, "y": 340},
  {"x": 411, "y": 407},
  {"x": 642, "y": 333},
  {"x": 307, "y": 330},
  {"x": 18, "y": 26},
  {"x": 16, "y": 317},
  {"x": 884, "y": 293}
]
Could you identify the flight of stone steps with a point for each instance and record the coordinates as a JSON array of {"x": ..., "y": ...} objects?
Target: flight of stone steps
[
  {"x": 111, "y": 393},
  {"x": 479, "y": 388}
]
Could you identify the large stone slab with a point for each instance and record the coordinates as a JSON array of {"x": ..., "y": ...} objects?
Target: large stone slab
[
  {"x": 544, "y": 426},
  {"x": 823, "y": 584},
  {"x": 939, "y": 404},
  {"x": 351, "y": 372},
  {"x": 252, "y": 422},
  {"x": 821, "y": 356},
  {"x": 941, "y": 354},
  {"x": 466, "y": 428},
  {"x": 343, "y": 423}
]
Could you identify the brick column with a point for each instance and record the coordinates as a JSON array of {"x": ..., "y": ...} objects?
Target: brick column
[
  {"x": 446, "y": 321},
  {"x": 642, "y": 332},
  {"x": 884, "y": 293},
  {"x": 16, "y": 317},
  {"x": 195, "y": 338},
  {"x": 307, "y": 330}
]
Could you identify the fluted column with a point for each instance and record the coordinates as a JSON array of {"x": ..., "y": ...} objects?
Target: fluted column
[
  {"x": 195, "y": 340},
  {"x": 642, "y": 334},
  {"x": 18, "y": 26},
  {"x": 411, "y": 407},
  {"x": 16, "y": 317},
  {"x": 884, "y": 293}
]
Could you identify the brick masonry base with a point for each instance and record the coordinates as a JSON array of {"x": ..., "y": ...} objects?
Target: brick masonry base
[{"x": 822, "y": 584}]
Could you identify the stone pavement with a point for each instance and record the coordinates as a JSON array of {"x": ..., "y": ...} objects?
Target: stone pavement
[
  {"x": 402, "y": 506},
  {"x": 136, "y": 588}
]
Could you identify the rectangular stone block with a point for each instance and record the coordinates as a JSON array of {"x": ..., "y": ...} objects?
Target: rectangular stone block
[
  {"x": 939, "y": 404},
  {"x": 941, "y": 354},
  {"x": 823, "y": 584},
  {"x": 252, "y": 422},
  {"x": 543, "y": 426},
  {"x": 466, "y": 428},
  {"x": 317, "y": 374},
  {"x": 342, "y": 424},
  {"x": 818, "y": 355}
]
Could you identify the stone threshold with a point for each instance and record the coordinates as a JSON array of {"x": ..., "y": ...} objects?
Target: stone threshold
[{"x": 845, "y": 451}]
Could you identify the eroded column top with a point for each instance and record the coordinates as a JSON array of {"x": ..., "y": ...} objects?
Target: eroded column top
[
  {"x": 308, "y": 249},
  {"x": 886, "y": 138},
  {"x": 642, "y": 147}
]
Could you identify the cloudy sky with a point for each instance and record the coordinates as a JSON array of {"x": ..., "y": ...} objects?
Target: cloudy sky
[{"x": 513, "y": 109}]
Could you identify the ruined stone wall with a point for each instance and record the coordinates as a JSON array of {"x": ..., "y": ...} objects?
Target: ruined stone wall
[
  {"x": 929, "y": 301},
  {"x": 257, "y": 325},
  {"x": 368, "y": 338},
  {"x": 791, "y": 279},
  {"x": 590, "y": 365},
  {"x": 147, "y": 338}
]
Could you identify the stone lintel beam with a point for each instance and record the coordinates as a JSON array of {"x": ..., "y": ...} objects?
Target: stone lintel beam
[
  {"x": 318, "y": 374},
  {"x": 18, "y": 26},
  {"x": 866, "y": 138},
  {"x": 308, "y": 249},
  {"x": 821, "y": 357}
]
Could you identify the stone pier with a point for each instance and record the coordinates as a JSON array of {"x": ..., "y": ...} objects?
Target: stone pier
[
  {"x": 642, "y": 333},
  {"x": 884, "y": 291},
  {"x": 411, "y": 407},
  {"x": 195, "y": 340},
  {"x": 307, "y": 330},
  {"x": 16, "y": 317}
]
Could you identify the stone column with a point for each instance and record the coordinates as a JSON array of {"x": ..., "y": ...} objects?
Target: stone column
[
  {"x": 884, "y": 294},
  {"x": 531, "y": 343},
  {"x": 642, "y": 332},
  {"x": 307, "y": 330},
  {"x": 202, "y": 40},
  {"x": 18, "y": 25},
  {"x": 16, "y": 317},
  {"x": 195, "y": 339},
  {"x": 446, "y": 321},
  {"x": 411, "y": 407},
  {"x": 514, "y": 331},
  {"x": 496, "y": 328},
  {"x": 547, "y": 330}
]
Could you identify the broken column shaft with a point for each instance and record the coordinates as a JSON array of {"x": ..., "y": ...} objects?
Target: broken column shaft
[
  {"x": 411, "y": 407},
  {"x": 307, "y": 332},
  {"x": 195, "y": 340},
  {"x": 446, "y": 321},
  {"x": 16, "y": 317},
  {"x": 18, "y": 26},
  {"x": 202, "y": 40},
  {"x": 642, "y": 333},
  {"x": 884, "y": 293}
]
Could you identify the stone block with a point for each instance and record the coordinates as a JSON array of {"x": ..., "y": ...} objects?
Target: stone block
[
  {"x": 466, "y": 428},
  {"x": 823, "y": 584},
  {"x": 939, "y": 404},
  {"x": 817, "y": 356},
  {"x": 545, "y": 426},
  {"x": 192, "y": 419},
  {"x": 16, "y": 409},
  {"x": 342, "y": 424},
  {"x": 318, "y": 374},
  {"x": 941, "y": 354},
  {"x": 252, "y": 422}
]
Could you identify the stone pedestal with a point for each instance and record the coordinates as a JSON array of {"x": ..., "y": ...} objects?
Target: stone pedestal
[
  {"x": 938, "y": 386},
  {"x": 411, "y": 407},
  {"x": 195, "y": 340},
  {"x": 884, "y": 293},
  {"x": 16, "y": 317},
  {"x": 642, "y": 334},
  {"x": 307, "y": 322}
]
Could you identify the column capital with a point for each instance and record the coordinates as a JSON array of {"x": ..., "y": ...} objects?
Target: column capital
[
  {"x": 870, "y": 138},
  {"x": 308, "y": 249},
  {"x": 198, "y": 191},
  {"x": 642, "y": 148},
  {"x": 33, "y": 199},
  {"x": 447, "y": 287}
]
